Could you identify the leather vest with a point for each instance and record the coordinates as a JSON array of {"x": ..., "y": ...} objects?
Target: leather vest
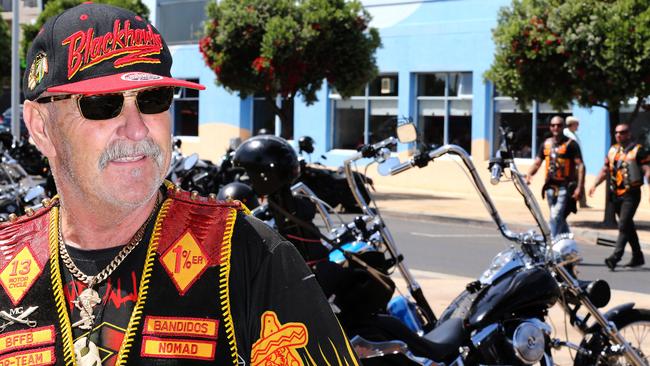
[
  {"x": 182, "y": 313},
  {"x": 559, "y": 167},
  {"x": 624, "y": 170}
]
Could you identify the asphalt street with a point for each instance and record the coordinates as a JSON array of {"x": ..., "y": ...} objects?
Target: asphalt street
[{"x": 467, "y": 249}]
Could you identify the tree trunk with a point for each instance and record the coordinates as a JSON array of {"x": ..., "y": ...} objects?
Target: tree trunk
[{"x": 609, "y": 219}]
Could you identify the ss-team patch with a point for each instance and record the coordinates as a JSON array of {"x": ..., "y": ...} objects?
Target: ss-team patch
[
  {"x": 32, "y": 357},
  {"x": 19, "y": 274}
]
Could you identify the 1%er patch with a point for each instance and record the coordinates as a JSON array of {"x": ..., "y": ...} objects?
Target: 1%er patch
[{"x": 184, "y": 261}]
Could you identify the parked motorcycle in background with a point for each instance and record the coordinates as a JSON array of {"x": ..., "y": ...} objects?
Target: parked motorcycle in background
[{"x": 501, "y": 316}]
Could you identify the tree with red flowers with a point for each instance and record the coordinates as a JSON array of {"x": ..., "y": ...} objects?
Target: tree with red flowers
[
  {"x": 288, "y": 47},
  {"x": 593, "y": 52}
]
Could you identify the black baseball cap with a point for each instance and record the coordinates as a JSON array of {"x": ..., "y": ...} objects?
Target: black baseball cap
[{"x": 95, "y": 49}]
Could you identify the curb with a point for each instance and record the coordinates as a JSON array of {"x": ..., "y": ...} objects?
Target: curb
[{"x": 584, "y": 236}]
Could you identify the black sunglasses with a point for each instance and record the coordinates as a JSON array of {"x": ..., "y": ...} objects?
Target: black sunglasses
[{"x": 107, "y": 106}]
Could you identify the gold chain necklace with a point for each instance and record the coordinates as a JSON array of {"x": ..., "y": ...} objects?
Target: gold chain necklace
[{"x": 89, "y": 298}]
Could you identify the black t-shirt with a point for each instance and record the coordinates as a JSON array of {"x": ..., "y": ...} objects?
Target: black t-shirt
[
  {"x": 266, "y": 274},
  {"x": 118, "y": 293}
]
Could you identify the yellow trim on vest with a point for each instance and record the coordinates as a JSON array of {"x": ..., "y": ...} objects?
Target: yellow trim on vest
[
  {"x": 136, "y": 315},
  {"x": 224, "y": 286},
  {"x": 352, "y": 354},
  {"x": 57, "y": 288}
]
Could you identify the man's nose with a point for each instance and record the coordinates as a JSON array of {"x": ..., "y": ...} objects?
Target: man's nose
[{"x": 133, "y": 126}]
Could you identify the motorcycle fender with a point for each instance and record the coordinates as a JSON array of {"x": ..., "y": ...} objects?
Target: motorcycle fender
[{"x": 613, "y": 313}]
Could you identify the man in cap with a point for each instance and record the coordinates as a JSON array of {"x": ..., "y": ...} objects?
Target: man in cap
[
  {"x": 627, "y": 163},
  {"x": 122, "y": 267}
]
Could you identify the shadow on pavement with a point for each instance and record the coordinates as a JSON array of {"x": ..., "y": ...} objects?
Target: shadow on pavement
[{"x": 410, "y": 196}]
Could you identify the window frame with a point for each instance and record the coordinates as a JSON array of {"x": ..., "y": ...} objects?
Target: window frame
[
  {"x": 446, "y": 99},
  {"x": 367, "y": 99},
  {"x": 180, "y": 96}
]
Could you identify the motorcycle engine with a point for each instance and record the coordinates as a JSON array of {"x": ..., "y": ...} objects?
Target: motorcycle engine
[
  {"x": 528, "y": 341},
  {"x": 514, "y": 342}
]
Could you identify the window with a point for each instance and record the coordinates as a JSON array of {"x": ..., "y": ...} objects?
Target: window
[
  {"x": 264, "y": 117},
  {"x": 6, "y": 5},
  {"x": 444, "y": 103},
  {"x": 185, "y": 111},
  {"x": 530, "y": 128},
  {"x": 181, "y": 21},
  {"x": 366, "y": 118}
]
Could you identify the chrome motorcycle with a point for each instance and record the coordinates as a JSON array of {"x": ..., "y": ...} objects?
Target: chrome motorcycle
[{"x": 500, "y": 319}]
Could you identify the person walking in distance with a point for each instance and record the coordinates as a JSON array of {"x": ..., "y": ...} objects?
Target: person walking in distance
[
  {"x": 564, "y": 172},
  {"x": 571, "y": 131},
  {"x": 627, "y": 162}
]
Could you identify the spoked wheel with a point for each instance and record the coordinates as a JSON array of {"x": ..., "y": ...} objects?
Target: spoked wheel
[{"x": 634, "y": 326}]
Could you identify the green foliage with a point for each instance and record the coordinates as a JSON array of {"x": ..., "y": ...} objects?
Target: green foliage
[
  {"x": 285, "y": 47},
  {"x": 595, "y": 52},
  {"x": 5, "y": 51},
  {"x": 56, "y": 7}
]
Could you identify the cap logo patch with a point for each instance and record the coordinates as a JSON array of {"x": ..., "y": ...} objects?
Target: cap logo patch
[
  {"x": 140, "y": 76},
  {"x": 38, "y": 70},
  {"x": 86, "y": 50}
]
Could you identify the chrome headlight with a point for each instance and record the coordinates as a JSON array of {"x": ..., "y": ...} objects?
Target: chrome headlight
[
  {"x": 501, "y": 263},
  {"x": 565, "y": 249}
]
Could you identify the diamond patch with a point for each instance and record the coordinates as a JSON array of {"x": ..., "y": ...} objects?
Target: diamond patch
[
  {"x": 19, "y": 274},
  {"x": 185, "y": 262}
]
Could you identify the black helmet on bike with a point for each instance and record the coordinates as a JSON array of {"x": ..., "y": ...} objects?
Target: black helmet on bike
[
  {"x": 270, "y": 162},
  {"x": 241, "y": 192},
  {"x": 306, "y": 144}
]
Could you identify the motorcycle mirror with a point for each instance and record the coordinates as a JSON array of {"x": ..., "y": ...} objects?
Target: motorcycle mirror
[
  {"x": 386, "y": 167},
  {"x": 34, "y": 193},
  {"x": 406, "y": 132},
  {"x": 190, "y": 161}
]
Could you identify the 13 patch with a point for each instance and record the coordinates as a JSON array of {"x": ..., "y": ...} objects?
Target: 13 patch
[{"x": 19, "y": 274}]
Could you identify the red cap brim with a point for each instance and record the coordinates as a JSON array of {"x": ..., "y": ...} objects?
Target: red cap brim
[{"x": 121, "y": 82}]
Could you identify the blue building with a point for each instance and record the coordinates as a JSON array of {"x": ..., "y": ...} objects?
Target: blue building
[{"x": 432, "y": 62}]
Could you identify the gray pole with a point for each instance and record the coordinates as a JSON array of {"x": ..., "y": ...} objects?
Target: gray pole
[{"x": 15, "y": 73}]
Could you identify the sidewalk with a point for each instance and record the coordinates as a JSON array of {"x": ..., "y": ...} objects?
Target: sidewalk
[{"x": 586, "y": 224}]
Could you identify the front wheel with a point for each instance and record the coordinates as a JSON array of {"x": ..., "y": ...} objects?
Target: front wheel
[{"x": 634, "y": 326}]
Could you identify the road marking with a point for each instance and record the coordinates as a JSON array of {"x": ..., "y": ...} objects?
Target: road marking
[{"x": 456, "y": 235}]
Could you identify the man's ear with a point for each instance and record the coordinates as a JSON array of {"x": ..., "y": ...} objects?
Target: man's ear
[{"x": 35, "y": 117}]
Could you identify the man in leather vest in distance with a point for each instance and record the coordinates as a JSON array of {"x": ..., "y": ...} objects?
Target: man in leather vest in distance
[
  {"x": 564, "y": 175},
  {"x": 627, "y": 163},
  {"x": 123, "y": 268}
]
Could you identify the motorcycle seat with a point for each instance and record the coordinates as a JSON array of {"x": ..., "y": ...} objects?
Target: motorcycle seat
[{"x": 447, "y": 338}]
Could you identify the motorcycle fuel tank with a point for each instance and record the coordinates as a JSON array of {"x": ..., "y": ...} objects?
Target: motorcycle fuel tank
[{"x": 527, "y": 289}]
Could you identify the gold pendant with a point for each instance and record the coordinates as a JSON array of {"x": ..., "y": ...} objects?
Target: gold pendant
[
  {"x": 85, "y": 302},
  {"x": 86, "y": 353}
]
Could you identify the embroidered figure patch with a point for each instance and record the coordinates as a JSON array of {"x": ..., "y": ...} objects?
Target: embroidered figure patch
[
  {"x": 279, "y": 342},
  {"x": 185, "y": 262},
  {"x": 38, "y": 70},
  {"x": 19, "y": 274},
  {"x": 176, "y": 326},
  {"x": 178, "y": 348}
]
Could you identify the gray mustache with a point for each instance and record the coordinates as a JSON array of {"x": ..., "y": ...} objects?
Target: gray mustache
[{"x": 121, "y": 149}]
